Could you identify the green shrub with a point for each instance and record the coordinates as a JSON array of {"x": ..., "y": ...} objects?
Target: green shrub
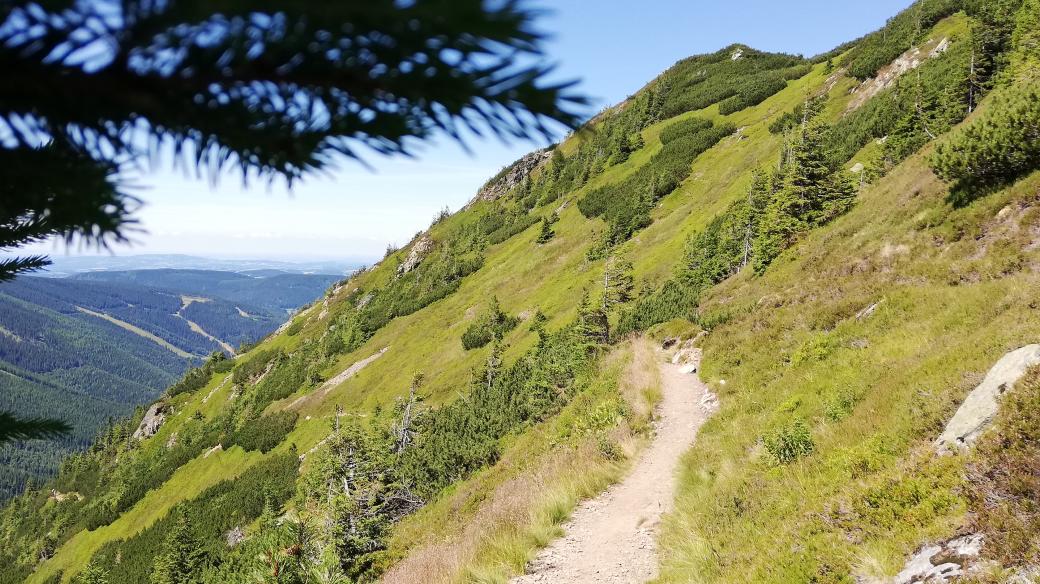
[
  {"x": 683, "y": 128},
  {"x": 265, "y": 432},
  {"x": 881, "y": 47},
  {"x": 698, "y": 82},
  {"x": 457, "y": 439},
  {"x": 294, "y": 329},
  {"x": 198, "y": 377},
  {"x": 249, "y": 369},
  {"x": 789, "y": 120},
  {"x": 998, "y": 148},
  {"x": 492, "y": 324},
  {"x": 229, "y": 503},
  {"x": 626, "y": 205},
  {"x": 789, "y": 443},
  {"x": 754, "y": 92}
]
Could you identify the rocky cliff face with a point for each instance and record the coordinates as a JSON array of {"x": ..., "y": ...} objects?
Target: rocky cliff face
[
  {"x": 152, "y": 421},
  {"x": 513, "y": 175},
  {"x": 420, "y": 249}
]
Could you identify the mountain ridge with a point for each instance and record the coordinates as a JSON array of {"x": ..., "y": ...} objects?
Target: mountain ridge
[{"x": 479, "y": 459}]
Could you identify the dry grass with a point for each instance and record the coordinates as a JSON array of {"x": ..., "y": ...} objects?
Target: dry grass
[{"x": 488, "y": 528}]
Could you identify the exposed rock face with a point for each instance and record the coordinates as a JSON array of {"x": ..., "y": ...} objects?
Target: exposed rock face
[
  {"x": 946, "y": 562},
  {"x": 978, "y": 410},
  {"x": 515, "y": 175},
  {"x": 420, "y": 248},
  {"x": 153, "y": 420},
  {"x": 234, "y": 536},
  {"x": 868, "y": 311},
  {"x": 888, "y": 75},
  {"x": 58, "y": 496},
  {"x": 364, "y": 300}
]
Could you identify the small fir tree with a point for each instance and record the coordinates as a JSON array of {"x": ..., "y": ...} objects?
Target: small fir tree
[{"x": 181, "y": 559}]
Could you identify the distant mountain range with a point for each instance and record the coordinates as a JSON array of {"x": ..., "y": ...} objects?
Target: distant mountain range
[
  {"x": 63, "y": 266},
  {"x": 264, "y": 287},
  {"x": 94, "y": 345}
]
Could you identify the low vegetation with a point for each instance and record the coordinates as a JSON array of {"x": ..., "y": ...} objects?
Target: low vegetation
[
  {"x": 845, "y": 316},
  {"x": 1004, "y": 479}
]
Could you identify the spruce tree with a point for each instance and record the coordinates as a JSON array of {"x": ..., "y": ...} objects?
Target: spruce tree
[
  {"x": 92, "y": 574},
  {"x": 618, "y": 282},
  {"x": 181, "y": 558},
  {"x": 591, "y": 325},
  {"x": 547, "y": 233},
  {"x": 810, "y": 193}
]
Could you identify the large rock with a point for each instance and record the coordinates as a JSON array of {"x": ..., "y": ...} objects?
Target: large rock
[
  {"x": 152, "y": 421},
  {"x": 940, "y": 563},
  {"x": 513, "y": 175},
  {"x": 979, "y": 409},
  {"x": 420, "y": 248}
]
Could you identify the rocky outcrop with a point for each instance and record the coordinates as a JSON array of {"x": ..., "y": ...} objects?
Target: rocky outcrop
[
  {"x": 234, "y": 536},
  {"x": 364, "y": 300},
  {"x": 58, "y": 496},
  {"x": 980, "y": 407},
  {"x": 513, "y": 175},
  {"x": 152, "y": 421},
  {"x": 945, "y": 562},
  {"x": 420, "y": 249},
  {"x": 887, "y": 76}
]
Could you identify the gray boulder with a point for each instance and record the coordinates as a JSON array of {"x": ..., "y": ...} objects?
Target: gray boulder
[
  {"x": 152, "y": 421},
  {"x": 420, "y": 249},
  {"x": 513, "y": 175},
  {"x": 977, "y": 412}
]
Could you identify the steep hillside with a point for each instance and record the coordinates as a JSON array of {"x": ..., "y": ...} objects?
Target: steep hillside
[
  {"x": 438, "y": 417},
  {"x": 88, "y": 350}
]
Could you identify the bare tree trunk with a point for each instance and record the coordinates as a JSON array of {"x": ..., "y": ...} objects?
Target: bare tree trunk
[
  {"x": 403, "y": 437},
  {"x": 971, "y": 82}
]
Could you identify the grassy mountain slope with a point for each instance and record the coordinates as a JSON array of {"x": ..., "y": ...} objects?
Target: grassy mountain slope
[{"x": 816, "y": 468}]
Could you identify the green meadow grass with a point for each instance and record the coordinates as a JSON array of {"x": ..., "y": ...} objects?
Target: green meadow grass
[{"x": 956, "y": 289}]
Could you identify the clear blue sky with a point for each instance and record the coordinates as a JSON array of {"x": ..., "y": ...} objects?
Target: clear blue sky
[{"x": 612, "y": 46}]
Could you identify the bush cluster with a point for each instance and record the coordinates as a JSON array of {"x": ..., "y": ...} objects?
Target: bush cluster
[
  {"x": 998, "y": 148},
  {"x": 789, "y": 443},
  {"x": 491, "y": 325},
  {"x": 198, "y": 377},
  {"x": 230, "y": 503},
  {"x": 265, "y": 432},
  {"x": 881, "y": 47},
  {"x": 626, "y": 205}
]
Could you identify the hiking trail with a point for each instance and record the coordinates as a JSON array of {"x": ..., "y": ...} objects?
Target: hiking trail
[{"x": 612, "y": 537}]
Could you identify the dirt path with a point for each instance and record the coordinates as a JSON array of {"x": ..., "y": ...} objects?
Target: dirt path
[{"x": 611, "y": 538}]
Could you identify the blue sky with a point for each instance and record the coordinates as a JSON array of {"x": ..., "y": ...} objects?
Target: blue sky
[{"x": 612, "y": 46}]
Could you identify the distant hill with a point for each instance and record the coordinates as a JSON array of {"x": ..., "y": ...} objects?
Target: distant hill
[
  {"x": 89, "y": 348},
  {"x": 64, "y": 266},
  {"x": 266, "y": 288}
]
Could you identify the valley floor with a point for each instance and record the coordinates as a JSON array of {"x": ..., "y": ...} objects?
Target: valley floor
[{"x": 611, "y": 538}]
